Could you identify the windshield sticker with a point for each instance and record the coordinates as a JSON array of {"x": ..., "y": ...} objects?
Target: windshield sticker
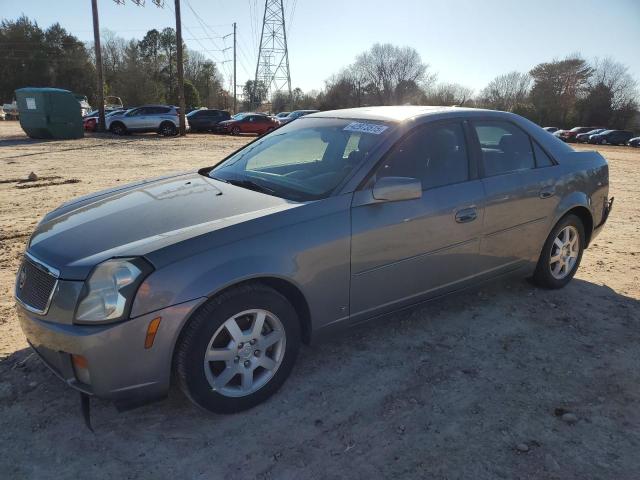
[
  {"x": 374, "y": 128},
  {"x": 31, "y": 103}
]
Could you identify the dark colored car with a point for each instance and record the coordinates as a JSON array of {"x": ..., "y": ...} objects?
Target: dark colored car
[
  {"x": 584, "y": 137},
  {"x": 295, "y": 114},
  {"x": 634, "y": 142},
  {"x": 570, "y": 135},
  {"x": 281, "y": 115},
  {"x": 256, "y": 123},
  {"x": 551, "y": 129},
  {"x": 611, "y": 137},
  {"x": 213, "y": 278},
  {"x": 206, "y": 120}
]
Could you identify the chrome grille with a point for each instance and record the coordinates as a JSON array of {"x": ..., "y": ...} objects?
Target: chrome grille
[{"x": 35, "y": 285}]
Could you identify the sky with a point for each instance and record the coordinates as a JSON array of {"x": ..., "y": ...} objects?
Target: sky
[{"x": 463, "y": 41}]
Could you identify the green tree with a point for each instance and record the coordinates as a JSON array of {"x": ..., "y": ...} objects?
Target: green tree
[
  {"x": 191, "y": 95},
  {"x": 557, "y": 87}
]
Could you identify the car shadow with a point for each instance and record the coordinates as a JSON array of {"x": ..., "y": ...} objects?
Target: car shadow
[{"x": 456, "y": 385}]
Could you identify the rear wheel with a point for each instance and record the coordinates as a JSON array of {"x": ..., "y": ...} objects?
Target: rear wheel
[
  {"x": 238, "y": 349},
  {"x": 167, "y": 129},
  {"x": 561, "y": 254}
]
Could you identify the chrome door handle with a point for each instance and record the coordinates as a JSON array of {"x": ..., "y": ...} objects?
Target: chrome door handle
[{"x": 466, "y": 215}]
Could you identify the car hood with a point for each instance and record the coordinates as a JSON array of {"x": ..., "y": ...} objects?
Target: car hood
[{"x": 140, "y": 218}]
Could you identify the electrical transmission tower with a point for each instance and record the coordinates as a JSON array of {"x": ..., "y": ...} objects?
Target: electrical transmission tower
[{"x": 272, "y": 69}]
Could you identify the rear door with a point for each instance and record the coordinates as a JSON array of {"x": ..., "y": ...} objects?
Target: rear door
[
  {"x": 519, "y": 180},
  {"x": 409, "y": 249}
]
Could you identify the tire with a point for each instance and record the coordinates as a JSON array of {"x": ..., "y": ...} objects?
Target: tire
[
  {"x": 118, "y": 128},
  {"x": 547, "y": 274},
  {"x": 197, "y": 377},
  {"x": 167, "y": 129},
  {"x": 235, "y": 131}
]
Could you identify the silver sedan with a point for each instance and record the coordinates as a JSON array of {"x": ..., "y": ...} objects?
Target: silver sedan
[{"x": 217, "y": 276}]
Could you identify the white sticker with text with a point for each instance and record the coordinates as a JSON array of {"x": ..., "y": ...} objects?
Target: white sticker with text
[
  {"x": 374, "y": 128},
  {"x": 31, "y": 103}
]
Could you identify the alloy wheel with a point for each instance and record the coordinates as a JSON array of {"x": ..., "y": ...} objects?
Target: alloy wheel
[
  {"x": 245, "y": 353},
  {"x": 564, "y": 252}
]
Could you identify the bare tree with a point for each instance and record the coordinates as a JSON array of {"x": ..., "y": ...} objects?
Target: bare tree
[
  {"x": 616, "y": 77},
  {"x": 448, "y": 94},
  {"x": 386, "y": 66},
  {"x": 506, "y": 92}
]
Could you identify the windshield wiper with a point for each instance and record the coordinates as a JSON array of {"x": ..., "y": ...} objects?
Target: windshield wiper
[{"x": 251, "y": 185}]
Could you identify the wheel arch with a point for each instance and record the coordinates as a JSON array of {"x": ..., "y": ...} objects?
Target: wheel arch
[
  {"x": 585, "y": 215},
  {"x": 281, "y": 285}
]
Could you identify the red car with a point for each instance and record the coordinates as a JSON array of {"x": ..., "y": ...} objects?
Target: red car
[
  {"x": 570, "y": 135},
  {"x": 257, "y": 123}
]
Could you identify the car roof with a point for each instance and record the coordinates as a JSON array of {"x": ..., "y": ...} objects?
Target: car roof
[{"x": 391, "y": 113}]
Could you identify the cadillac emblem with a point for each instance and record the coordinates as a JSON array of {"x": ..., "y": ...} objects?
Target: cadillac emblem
[{"x": 22, "y": 277}]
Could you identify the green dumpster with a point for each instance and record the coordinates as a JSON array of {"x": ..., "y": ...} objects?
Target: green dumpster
[{"x": 49, "y": 113}]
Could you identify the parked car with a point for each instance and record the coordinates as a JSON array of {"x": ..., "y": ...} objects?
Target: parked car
[
  {"x": 611, "y": 137},
  {"x": 148, "y": 118},
  {"x": 217, "y": 276},
  {"x": 257, "y": 123},
  {"x": 570, "y": 135},
  {"x": 634, "y": 142},
  {"x": 551, "y": 129},
  {"x": 85, "y": 108},
  {"x": 584, "y": 137},
  {"x": 207, "y": 120},
  {"x": 91, "y": 121},
  {"x": 296, "y": 114},
  {"x": 282, "y": 115},
  {"x": 2, "y": 115},
  {"x": 11, "y": 111}
]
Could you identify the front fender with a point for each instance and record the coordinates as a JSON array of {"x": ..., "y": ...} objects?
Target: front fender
[{"x": 312, "y": 255}]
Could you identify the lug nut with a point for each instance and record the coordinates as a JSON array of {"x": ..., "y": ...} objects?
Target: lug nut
[
  {"x": 257, "y": 353},
  {"x": 247, "y": 363},
  {"x": 253, "y": 341},
  {"x": 240, "y": 345}
]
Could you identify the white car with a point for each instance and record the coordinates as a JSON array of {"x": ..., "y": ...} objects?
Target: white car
[{"x": 162, "y": 119}]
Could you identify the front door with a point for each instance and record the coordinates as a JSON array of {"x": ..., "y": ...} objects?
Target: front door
[{"x": 405, "y": 250}]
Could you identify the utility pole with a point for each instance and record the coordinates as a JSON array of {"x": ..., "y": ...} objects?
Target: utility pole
[
  {"x": 181, "y": 100},
  {"x": 235, "y": 83},
  {"x": 99, "y": 69}
]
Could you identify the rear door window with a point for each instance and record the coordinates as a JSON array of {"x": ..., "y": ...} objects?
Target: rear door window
[
  {"x": 542, "y": 159},
  {"x": 505, "y": 147}
]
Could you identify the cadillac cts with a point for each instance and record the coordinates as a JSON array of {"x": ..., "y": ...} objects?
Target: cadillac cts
[{"x": 214, "y": 278}]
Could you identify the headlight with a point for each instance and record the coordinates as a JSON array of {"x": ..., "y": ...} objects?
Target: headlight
[{"x": 109, "y": 290}]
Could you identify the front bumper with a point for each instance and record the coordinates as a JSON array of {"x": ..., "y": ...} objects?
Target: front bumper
[{"x": 119, "y": 366}]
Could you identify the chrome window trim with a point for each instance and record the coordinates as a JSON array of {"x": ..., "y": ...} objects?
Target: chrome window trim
[{"x": 49, "y": 270}]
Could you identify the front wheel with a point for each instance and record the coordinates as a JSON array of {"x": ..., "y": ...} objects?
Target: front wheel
[
  {"x": 235, "y": 131},
  {"x": 118, "y": 128},
  {"x": 238, "y": 349},
  {"x": 561, "y": 254}
]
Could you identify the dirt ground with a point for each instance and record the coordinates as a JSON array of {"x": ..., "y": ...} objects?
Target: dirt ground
[{"x": 503, "y": 381}]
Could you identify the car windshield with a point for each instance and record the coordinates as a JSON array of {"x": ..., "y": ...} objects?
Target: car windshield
[
  {"x": 239, "y": 116},
  {"x": 304, "y": 160},
  {"x": 606, "y": 132}
]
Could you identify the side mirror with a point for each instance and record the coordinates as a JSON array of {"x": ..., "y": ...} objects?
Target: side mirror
[{"x": 395, "y": 189}]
